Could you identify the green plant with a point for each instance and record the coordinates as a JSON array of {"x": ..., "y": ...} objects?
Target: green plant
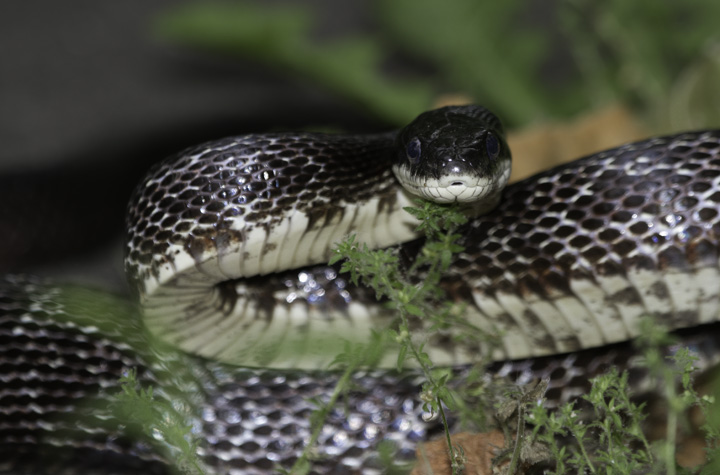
[
  {"x": 711, "y": 411},
  {"x": 610, "y": 440},
  {"x": 524, "y": 61},
  {"x": 158, "y": 420},
  {"x": 281, "y": 37},
  {"x": 354, "y": 357},
  {"x": 415, "y": 293}
]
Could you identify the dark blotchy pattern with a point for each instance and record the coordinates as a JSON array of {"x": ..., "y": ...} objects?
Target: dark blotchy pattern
[
  {"x": 649, "y": 206},
  {"x": 600, "y": 214},
  {"x": 58, "y": 351},
  {"x": 192, "y": 198},
  {"x": 63, "y": 350}
]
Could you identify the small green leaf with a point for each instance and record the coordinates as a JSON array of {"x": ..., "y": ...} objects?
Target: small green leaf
[
  {"x": 414, "y": 310},
  {"x": 402, "y": 354}
]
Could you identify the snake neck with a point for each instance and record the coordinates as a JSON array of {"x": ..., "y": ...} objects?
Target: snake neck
[{"x": 207, "y": 221}]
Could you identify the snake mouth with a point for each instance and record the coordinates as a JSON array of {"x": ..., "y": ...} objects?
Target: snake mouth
[
  {"x": 456, "y": 192},
  {"x": 453, "y": 188}
]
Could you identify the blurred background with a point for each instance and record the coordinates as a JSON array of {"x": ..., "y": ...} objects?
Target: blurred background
[{"x": 92, "y": 93}]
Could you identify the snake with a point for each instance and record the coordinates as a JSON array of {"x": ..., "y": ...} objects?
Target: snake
[{"x": 237, "y": 315}]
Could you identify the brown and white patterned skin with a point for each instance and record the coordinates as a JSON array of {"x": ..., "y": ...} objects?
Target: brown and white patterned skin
[
  {"x": 246, "y": 207},
  {"x": 569, "y": 260},
  {"x": 205, "y": 224},
  {"x": 64, "y": 349},
  {"x": 574, "y": 256}
]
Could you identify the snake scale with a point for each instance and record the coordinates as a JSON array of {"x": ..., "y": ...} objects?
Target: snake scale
[{"x": 563, "y": 266}]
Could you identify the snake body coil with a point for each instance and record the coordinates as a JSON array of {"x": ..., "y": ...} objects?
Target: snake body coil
[{"x": 568, "y": 261}]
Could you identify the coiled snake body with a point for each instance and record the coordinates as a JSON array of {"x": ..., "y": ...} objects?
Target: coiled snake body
[{"x": 567, "y": 263}]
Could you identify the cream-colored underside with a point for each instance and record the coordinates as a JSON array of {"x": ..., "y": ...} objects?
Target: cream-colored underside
[
  {"x": 184, "y": 307},
  {"x": 181, "y": 304}
]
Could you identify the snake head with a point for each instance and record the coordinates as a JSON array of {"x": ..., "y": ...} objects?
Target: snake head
[{"x": 453, "y": 154}]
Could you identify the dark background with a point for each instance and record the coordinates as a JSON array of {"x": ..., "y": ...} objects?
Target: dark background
[{"x": 90, "y": 98}]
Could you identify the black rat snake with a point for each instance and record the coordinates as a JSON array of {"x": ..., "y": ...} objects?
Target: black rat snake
[{"x": 568, "y": 261}]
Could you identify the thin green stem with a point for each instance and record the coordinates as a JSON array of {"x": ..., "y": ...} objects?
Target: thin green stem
[
  {"x": 320, "y": 417},
  {"x": 380, "y": 270},
  {"x": 670, "y": 442},
  {"x": 583, "y": 450},
  {"x": 427, "y": 372},
  {"x": 519, "y": 439},
  {"x": 672, "y": 424},
  {"x": 451, "y": 449}
]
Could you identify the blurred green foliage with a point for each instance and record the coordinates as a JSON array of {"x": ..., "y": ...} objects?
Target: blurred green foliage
[
  {"x": 481, "y": 48},
  {"x": 282, "y": 37},
  {"x": 525, "y": 59}
]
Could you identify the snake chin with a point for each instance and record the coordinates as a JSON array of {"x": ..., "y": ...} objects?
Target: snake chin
[{"x": 463, "y": 189}]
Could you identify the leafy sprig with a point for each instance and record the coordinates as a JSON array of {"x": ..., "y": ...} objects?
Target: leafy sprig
[
  {"x": 609, "y": 440},
  {"x": 410, "y": 297},
  {"x": 158, "y": 419},
  {"x": 353, "y": 358}
]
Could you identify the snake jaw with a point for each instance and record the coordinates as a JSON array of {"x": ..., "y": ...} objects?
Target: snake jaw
[
  {"x": 248, "y": 206},
  {"x": 448, "y": 189},
  {"x": 482, "y": 191}
]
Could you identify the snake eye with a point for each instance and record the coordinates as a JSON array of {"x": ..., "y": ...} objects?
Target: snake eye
[
  {"x": 492, "y": 145},
  {"x": 413, "y": 150}
]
